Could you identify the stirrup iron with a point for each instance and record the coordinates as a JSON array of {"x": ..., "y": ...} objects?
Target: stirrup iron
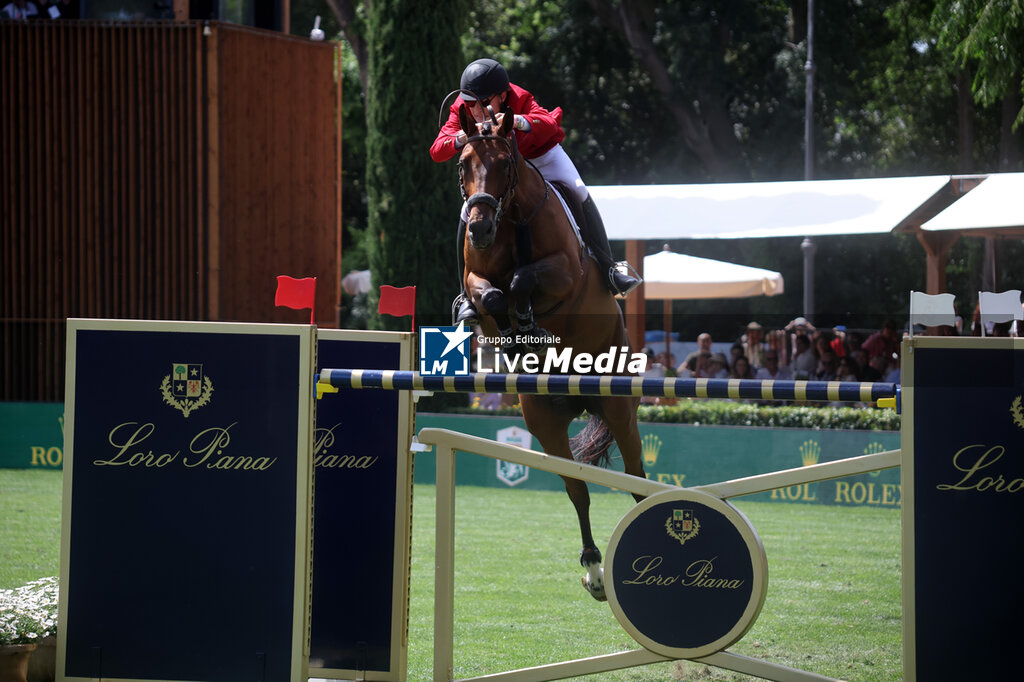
[{"x": 624, "y": 268}]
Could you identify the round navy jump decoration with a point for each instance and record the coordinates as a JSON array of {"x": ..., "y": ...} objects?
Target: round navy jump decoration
[{"x": 686, "y": 574}]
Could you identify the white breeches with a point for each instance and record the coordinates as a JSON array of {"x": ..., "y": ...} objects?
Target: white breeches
[{"x": 555, "y": 164}]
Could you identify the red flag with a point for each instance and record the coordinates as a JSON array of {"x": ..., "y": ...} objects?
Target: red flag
[
  {"x": 398, "y": 302},
  {"x": 296, "y": 293}
]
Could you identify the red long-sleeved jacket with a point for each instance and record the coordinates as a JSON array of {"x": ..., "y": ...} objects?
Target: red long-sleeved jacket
[{"x": 545, "y": 131}]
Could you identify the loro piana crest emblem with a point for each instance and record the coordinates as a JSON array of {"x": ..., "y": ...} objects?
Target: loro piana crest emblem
[
  {"x": 1018, "y": 414},
  {"x": 682, "y": 525},
  {"x": 186, "y": 388}
]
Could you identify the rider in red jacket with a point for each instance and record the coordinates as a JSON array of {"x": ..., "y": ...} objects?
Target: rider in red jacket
[
  {"x": 544, "y": 133},
  {"x": 538, "y": 136}
]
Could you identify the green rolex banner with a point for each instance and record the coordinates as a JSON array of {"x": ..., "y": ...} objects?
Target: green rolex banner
[{"x": 688, "y": 455}]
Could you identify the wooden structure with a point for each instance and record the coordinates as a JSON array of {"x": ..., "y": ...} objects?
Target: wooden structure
[{"x": 162, "y": 170}]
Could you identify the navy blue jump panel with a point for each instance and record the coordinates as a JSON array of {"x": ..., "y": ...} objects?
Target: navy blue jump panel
[
  {"x": 185, "y": 550},
  {"x": 361, "y": 521},
  {"x": 963, "y": 481}
]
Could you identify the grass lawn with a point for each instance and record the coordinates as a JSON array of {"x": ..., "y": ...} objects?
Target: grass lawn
[
  {"x": 29, "y": 525},
  {"x": 833, "y": 604}
]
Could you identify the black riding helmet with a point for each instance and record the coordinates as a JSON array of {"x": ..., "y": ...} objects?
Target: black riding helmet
[{"x": 485, "y": 77}]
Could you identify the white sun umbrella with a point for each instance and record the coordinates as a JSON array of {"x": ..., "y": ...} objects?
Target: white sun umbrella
[
  {"x": 675, "y": 275},
  {"x": 672, "y": 276}
]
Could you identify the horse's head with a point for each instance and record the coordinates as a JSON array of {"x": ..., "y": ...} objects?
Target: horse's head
[{"x": 487, "y": 175}]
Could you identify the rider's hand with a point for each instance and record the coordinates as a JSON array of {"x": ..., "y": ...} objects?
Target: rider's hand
[{"x": 521, "y": 122}]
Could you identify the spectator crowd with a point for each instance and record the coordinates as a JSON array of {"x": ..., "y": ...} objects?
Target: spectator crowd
[{"x": 798, "y": 351}]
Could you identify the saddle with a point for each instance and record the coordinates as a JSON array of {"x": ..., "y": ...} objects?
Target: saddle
[
  {"x": 577, "y": 217},
  {"x": 570, "y": 199}
]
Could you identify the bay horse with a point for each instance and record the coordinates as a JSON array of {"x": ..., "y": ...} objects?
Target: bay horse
[{"x": 541, "y": 271}]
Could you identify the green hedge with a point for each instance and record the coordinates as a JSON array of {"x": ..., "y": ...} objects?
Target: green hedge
[{"x": 730, "y": 413}]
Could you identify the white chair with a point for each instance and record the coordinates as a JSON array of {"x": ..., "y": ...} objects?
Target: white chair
[
  {"x": 931, "y": 310},
  {"x": 1003, "y": 307}
]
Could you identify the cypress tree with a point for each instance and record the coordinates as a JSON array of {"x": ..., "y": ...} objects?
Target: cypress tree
[{"x": 415, "y": 60}]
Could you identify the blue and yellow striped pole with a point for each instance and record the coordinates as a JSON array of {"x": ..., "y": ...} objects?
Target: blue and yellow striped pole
[{"x": 575, "y": 384}]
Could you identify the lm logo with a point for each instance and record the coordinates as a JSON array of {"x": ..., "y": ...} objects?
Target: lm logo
[{"x": 444, "y": 351}]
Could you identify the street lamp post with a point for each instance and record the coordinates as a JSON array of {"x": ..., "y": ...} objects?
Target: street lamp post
[{"x": 807, "y": 246}]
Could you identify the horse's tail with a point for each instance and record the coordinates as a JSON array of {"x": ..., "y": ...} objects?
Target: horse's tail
[{"x": 590, "y": 446}]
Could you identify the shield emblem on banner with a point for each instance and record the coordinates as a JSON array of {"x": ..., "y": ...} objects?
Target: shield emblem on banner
[
  {"x": 187, "y": 380},
  {"x": 682, "y": 520},
  {"x": 682, "y": 525},
  {"x": 186, "y": 387}
]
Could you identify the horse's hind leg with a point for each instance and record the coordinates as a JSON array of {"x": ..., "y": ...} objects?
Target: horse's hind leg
[
  {"x": 619, "y": 413},
  {"x": 590, "y": 555},
  {"x": 551, "y": 431}
]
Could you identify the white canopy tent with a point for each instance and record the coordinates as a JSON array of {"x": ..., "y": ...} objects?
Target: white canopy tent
[
  {"x": 995, "y": 204},
  {"x": 635, "y": 213},
  {"x": 763, "y": 209}
]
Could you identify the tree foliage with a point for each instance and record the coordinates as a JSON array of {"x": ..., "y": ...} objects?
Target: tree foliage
[
  {"x": 653, "y": 91},
  {"x": 413, "y": 203},
  {"x": 990, "y": 35},
  {"x": 662, "y": 91}
]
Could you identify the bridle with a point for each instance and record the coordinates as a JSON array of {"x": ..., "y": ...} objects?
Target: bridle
[
  {"x": 511, "y": 179},
  {"x": 511, "y": 175}
]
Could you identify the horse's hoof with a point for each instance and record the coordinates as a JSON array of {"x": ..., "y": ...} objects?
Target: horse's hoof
[{"x": 595, "y": 591}]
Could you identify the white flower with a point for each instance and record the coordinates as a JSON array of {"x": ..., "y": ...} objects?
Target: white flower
[{"x": 29, "y": 612}]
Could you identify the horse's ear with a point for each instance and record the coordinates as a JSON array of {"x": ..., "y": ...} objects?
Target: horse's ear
[
  {"x": 468, "y": 125},
  {"x": 508, "y": 120}
]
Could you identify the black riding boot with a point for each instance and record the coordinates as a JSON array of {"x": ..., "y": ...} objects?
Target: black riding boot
[
  {"x": 618, "y": 281},
  {"x": 463, "y": 309}
]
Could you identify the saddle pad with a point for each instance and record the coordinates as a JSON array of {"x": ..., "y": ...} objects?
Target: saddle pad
[{"x": 568, "y": 213}]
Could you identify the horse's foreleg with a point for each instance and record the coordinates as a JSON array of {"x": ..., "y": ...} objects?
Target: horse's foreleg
[
  {"x": 490, "y": 299},
  {"x": 522, "y": 286},
  {"x": 552, "y": 275},
  {"x": 548, "y": 276}
]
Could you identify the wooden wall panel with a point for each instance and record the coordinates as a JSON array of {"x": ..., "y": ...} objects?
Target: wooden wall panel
[
  {"x": 109, "y": 178},
  {"x": 276, "y": 129}
]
